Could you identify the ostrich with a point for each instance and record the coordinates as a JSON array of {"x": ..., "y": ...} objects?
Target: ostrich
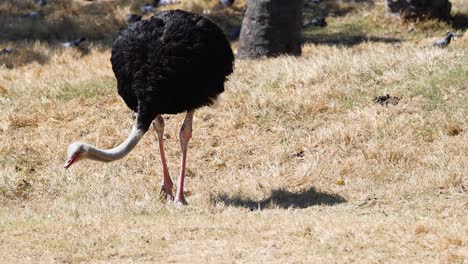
[{"x": 172, "y": 63}]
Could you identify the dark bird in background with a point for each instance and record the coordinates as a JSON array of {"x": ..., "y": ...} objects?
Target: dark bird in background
[
  {"x": 226, "y": 2},
  {"x": 235, "y": 33},
  {"x": 166, "y": 2},
  {"x": 8, "y": 51},
  {"x": 316, "y": 22},
  {"x": 162, "y": 2},
  {"x": 74, "y": 43},
  {"x": 222, "y": 4},
  {"x": 33, "y": 15},
  {"x": 174, "y": 62},
  {"x": 315, "y": 1},
  {"x": 132, "y": 18},
  {"x": 42, "y": 2},
  {"x": 147, "y": 8},
  {"x": 442, "y": 43}
]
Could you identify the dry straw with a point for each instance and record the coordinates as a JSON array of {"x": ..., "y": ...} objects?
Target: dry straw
[{"x": 296, "y": 163}]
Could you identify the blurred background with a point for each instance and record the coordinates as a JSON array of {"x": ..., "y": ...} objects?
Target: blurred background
[{"x": 86, "y": 24}]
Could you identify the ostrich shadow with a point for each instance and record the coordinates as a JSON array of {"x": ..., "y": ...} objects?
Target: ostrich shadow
[{"x": 280, "y": 198}]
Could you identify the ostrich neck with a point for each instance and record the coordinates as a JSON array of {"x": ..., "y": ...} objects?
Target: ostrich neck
[{"x": 107, "y": 155}]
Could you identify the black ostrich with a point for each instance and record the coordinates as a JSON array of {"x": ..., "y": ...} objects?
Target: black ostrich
[{"x": 172, "y": 63}]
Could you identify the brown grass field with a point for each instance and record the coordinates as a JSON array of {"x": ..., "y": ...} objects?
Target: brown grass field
[{"x": 295, "y": 164}]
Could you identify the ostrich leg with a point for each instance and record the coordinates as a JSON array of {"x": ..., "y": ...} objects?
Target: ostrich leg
[
  {"x": 185, "y": 134},
  {"x": 166, "y": 184}
]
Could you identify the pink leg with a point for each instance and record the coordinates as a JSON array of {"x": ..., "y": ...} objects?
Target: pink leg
[
  {"x": 185, "y": 134},
  {"x": 166, "y": 184}
]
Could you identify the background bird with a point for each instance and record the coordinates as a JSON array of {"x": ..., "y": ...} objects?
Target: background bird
[
  {"x": 147, "y": 8},
  {"x": 8, "y": 50},
  {"x": 74, "y": 43},
  {"x": 317, "y": 22},
  {"x": 444, "y": 42},
  {"x": 223, "y": 4},
  {"x": 174, "y": 62},
  {"x": 226, "y": 2},
  {"x": 132, "y": 18},
  {"x": 42, "y": 2},
  {"x": 33, "y": 15},
  {"x": 235, "y": 33}
]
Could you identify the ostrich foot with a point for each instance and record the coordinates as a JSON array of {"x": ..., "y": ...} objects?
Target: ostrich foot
[
  {"x": 166, "y": 193},
  {"x": 180, "y": 202}
]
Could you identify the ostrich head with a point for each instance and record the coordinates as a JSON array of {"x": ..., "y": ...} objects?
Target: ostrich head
[
  {"x": 450, "y": 35},
  {"x": 75, "y": 152}
]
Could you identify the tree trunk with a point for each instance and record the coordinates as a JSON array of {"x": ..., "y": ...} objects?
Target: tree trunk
[
  {"x": 419, "y": 9},
  {"x": 271, "y": 28}
]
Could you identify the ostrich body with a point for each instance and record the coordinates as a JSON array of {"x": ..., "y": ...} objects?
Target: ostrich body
[{"x": 174, "y": 62}]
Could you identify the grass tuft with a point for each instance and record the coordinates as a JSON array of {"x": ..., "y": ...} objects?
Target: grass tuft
[{"x": 92, "y": 89}]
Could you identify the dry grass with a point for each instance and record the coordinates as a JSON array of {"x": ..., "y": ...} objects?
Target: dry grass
[{"x": 296, "y": 164}]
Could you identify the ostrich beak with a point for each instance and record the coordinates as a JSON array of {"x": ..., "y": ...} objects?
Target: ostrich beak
[{"x": 71, "y": 161}]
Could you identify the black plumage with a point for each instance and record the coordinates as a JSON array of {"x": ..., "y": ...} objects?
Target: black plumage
[{"x": 174, "y": 62}]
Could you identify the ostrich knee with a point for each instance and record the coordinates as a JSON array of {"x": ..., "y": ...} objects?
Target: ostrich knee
[
  {"x": 185, "y": 133},
  {"x": 158, "y": 124}
]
